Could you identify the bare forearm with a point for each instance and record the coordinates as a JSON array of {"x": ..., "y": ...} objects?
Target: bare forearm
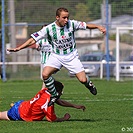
[
  {"x": 94, "y": 26},
  {"x": 68, "y": 104},
  {"x": 60, "y": 119},
  {"x": 64, "y": 103},
  {"x": 65, "y": 118},
  {"x": 28, "y": 43}
]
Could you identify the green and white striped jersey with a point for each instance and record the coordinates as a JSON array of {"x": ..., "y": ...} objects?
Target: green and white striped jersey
[
  {"x": 61, "y": 38},
  {"x": 45, "y": 49}
]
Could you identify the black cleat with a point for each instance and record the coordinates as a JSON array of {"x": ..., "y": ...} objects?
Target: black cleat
[
  {"x": 53, "y": 100},
  {"x": 92, "y": 88}
]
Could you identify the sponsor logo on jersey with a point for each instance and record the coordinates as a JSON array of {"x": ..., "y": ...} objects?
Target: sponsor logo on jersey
[
  {"x": 67, "y": 40},
  {"x": 64, "y": 44}
]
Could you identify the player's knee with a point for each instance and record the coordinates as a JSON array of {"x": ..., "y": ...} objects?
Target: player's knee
[
  {"x": 44, "y": 75},
  {"x": 82, "y": 79}
]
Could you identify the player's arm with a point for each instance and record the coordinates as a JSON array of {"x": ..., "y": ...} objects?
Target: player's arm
[
  {"x": 94, "y": 26},
  {"x": 68, "y": 104},
  {"x": 65, "y": 118},
  {"x": 28, "y": 43}
]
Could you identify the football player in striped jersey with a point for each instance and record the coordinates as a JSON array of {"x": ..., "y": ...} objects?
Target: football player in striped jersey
[{"x": 60, "y": 35}]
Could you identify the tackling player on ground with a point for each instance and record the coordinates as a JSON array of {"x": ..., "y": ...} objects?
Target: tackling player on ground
[{"x": 37, "y": 108}]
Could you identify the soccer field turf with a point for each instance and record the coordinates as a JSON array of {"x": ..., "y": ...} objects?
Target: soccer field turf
[{"x": 110, "y": 111}]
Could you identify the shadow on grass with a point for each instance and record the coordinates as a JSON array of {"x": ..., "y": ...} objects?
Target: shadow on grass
[
  {"x": 85, "y": 120},
  {"x": 88, "y": 120}
]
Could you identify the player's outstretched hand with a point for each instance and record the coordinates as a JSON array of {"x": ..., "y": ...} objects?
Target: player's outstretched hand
[
  {"x": 81, "y": 107},
  {"x": 67, "y": 116},
  {"x": 102, "y": 29},
  {"x": 13, "y": 49}
]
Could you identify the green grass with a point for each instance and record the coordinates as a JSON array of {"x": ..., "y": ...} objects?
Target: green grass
[{"x": 107, "y": 112}]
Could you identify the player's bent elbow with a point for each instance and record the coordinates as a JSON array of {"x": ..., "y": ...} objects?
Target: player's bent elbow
[{"x": 65, "y": 118}]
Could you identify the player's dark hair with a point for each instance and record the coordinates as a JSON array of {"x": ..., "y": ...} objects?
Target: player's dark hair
[
  {"x": 59, "y": 10},
  {"x": 58, "y": 85}
]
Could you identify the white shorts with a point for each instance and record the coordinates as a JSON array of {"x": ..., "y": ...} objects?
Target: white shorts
[{"x": 70, "y": 61}]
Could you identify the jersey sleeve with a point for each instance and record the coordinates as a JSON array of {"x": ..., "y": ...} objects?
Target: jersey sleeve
[
  {"x": 37, "y": 43},
  {"x": 78, "y": 25},
  {"x": 39, "y": 35},
  {"x": 50, "y": 115}
]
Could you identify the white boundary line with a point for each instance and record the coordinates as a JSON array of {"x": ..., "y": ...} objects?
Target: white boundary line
[{"x": 103, "y": 100}]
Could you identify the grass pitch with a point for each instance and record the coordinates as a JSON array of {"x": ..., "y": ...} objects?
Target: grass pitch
[{"x": 110, "y": 111}]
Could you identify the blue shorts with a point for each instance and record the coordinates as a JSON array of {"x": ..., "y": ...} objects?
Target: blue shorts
[{"x": 13, "y": 112}]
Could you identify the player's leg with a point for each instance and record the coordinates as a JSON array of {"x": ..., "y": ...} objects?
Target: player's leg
[
  {"x": 51, "y": 66},
  {"x": 3, "y": 115},
  {"x": 49, "y": 83},
  {"x": 83, "y": 78},
  {"x": 13, "y": 112},
  {"x": 75, "y": 66},
  {"x": 49, "y": 80},
  {"x": 42, "y": 66},
  {"x": 43, "y": 85}
]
